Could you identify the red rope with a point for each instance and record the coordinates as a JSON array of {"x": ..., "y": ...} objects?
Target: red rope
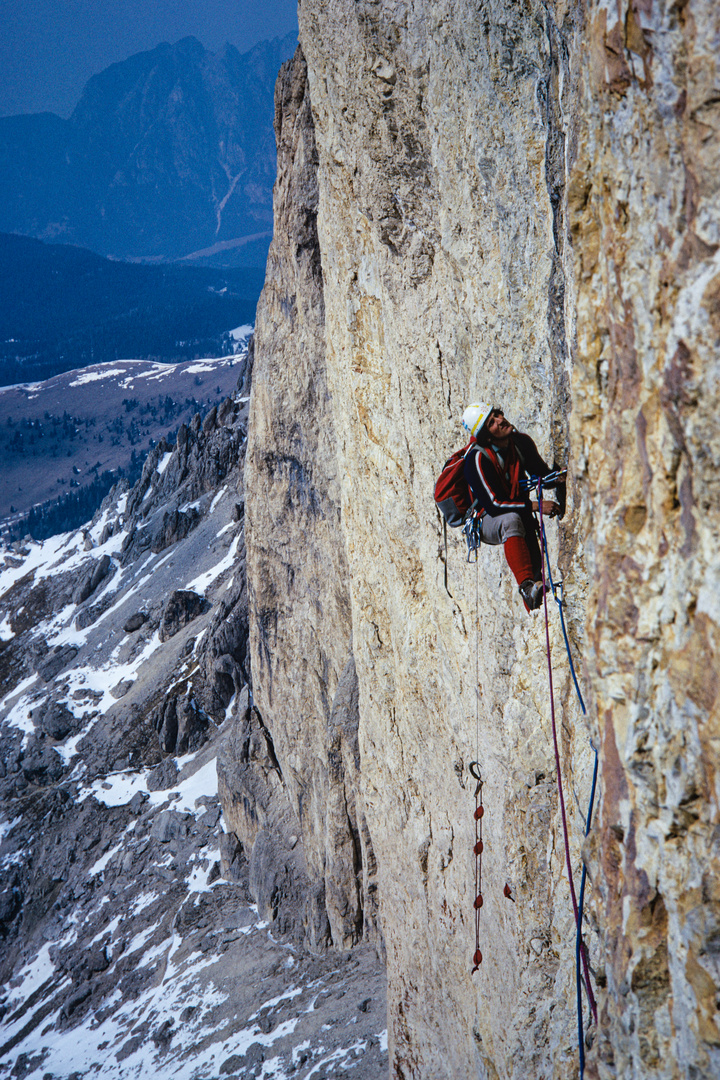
[
  {"x": 478, "y": 850},
  {"x": 583, "y": 950}
]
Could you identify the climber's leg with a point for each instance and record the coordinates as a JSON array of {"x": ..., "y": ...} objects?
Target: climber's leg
[
  {"x": 531, "y": 536},
  {"x": 509, "y": 530},
  {"x": 518, "y": 558}
]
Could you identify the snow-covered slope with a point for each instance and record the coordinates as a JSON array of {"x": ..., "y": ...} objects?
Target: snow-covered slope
[
  {"x": 57, "y": 436},
  {"x": 131, "y": 941}
]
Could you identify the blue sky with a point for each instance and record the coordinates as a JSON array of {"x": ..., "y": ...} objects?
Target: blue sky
[{"x": 50, "y": 48}]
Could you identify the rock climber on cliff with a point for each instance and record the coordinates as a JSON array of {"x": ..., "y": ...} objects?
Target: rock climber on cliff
[{"x": 494, "y": 471}]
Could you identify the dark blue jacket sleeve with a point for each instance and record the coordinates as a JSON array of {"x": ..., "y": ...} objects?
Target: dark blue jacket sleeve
[{"x": 534, "y": 464}]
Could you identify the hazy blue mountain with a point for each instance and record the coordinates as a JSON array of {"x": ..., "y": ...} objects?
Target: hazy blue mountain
[{"x": 168, "y": 153}]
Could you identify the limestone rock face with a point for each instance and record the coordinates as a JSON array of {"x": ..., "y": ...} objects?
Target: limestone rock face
[
  {"x": 514, "y": 203},
  {"x": 441, "y": 139},
  {"x": 645, "y": 220}
]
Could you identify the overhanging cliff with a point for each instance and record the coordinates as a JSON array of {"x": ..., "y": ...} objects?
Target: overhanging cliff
[{"x": 511, "y": 202}]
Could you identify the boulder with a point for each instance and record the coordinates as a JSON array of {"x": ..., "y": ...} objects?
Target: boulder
[
  {"x": 58, "y": 722},
  {"x": 167, "y": 826},
  {"x": 163, "y": 776},
  {"x": 41, "y": 764},
  {"x": 54, "y": 661},
  {"x": 95, "y": 573},
  {"x": 181, "y": 608}
]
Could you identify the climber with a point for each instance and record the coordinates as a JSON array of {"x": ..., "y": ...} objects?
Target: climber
[{"x": 494, "y": 471}]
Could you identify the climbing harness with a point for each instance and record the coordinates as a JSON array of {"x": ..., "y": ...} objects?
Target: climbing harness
[{"x": 454, "y": 499}]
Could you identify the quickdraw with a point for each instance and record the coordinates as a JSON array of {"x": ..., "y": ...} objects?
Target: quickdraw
[{"x": 471, "y": 531}]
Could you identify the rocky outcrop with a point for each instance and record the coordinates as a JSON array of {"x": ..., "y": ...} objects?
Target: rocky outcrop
[
  {"x": 258, "y": 814},
  {"x": 95, "y": 573},
  {"x": 181, "y": 607},
  {"x": 224, "y": 655},
  {"x": 55, "y": 660},
  {"x": 300, "y": 618},
  {"x": 513, "y": 203}
]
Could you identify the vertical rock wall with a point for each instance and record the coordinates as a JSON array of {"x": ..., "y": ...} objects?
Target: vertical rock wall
[
  {"x": 646, "y": 231},
  {"x": 298, "y": 575},
  {"x": 450, "y": 152},
  {"x": 441, "y": 134},
  {"x": 441, "y": 154}
]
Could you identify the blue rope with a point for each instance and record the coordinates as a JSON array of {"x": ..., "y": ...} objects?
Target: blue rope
[
  {"x": 578, "y": 980},
  {"x": 588, "y": 820},
  {"x": 559, "y": 603}
]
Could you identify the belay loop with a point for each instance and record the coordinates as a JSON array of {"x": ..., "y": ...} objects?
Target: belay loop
[{"x": 474, "y": 769}]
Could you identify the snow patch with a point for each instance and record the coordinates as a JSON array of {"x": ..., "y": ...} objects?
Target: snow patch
[
  {"x": 119, "y": 788},
  {"x": 100, "y": 865},
  {"x": 7, "y": 827},
  {"x": 164, "y": 461},
  {"x": 95, "y": 375},
  {"x": 204, "y": 581},
  {"x": 242, "y": 333},
  {"x": 217, "y": 498}
]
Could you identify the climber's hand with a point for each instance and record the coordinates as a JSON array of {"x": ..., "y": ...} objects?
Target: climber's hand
[{"x": 549, "y": 508}]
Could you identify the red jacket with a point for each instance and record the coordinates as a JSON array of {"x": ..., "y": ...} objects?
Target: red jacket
[{"x": 496, "y": 484}]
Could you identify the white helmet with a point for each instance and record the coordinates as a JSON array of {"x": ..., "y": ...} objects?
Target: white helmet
[{"x": 475, "y": 416}]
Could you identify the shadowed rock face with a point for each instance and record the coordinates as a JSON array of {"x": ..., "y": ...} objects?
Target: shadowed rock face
[
  {"x": 297, "y": 568},
  {"x": 514, "y": 203}
]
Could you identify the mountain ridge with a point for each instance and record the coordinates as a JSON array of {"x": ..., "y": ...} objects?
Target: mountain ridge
[{"x": 165, "y": 154}]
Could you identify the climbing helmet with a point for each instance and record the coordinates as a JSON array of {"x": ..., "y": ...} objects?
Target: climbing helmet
[{"x": 475, "y": 416}]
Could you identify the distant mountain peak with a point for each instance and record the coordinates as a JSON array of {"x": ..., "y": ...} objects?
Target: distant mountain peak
[{"x": 167, "y": 153}]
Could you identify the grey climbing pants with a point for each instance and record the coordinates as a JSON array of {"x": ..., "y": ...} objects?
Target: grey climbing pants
[{"x": 499, "y": 528}]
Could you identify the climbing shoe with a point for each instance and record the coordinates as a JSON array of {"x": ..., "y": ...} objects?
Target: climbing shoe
[{"x": 532, "y": 593}]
